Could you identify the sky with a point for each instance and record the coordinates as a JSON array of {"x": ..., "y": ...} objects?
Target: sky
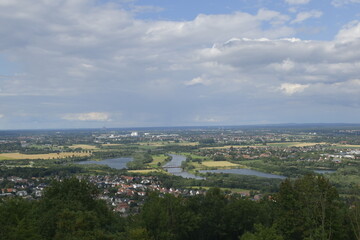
[{"x": 149, "y": 63}]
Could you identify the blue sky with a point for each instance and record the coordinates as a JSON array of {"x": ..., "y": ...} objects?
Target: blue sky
[{"x": 128, "y": 63}]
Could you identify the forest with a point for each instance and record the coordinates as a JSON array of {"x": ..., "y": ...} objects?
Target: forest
[{"x": 305, "y": 208}]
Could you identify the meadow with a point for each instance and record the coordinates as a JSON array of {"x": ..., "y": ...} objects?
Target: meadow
[{"x": 157, "y": 159}]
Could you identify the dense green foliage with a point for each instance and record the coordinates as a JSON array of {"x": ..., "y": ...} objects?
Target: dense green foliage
[
  {"x": 40, "y": 172},
  {"x": 308, "y": 208},
  {"x": 140, "y": 159},
  {"x": 222, "y": 180},
  {"x": 68, "y": 210}
]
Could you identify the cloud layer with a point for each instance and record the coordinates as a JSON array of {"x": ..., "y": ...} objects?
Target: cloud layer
[
  {"x": 81, "y": 61},
  {"x": 92, "y": 116},
  {"x": 297, "y": 1}
]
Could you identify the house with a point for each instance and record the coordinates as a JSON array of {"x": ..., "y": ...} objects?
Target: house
[
  {"x": 122, "y": 208},
  {"x": 38, "y": 193},
  {"x": 22, "y": 193}
]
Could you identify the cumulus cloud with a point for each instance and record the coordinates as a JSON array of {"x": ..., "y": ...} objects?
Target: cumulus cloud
[
  {"x": 302, "y": 16},
  {"x": 295, "y": 2},
  {"x": 349, "y": 33},
  {"x": 91, "y": 116},
  {"x": 292, "y": 88}
]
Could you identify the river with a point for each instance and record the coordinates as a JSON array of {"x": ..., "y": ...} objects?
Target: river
[
  {"x": 244, "y": 171},
  {"x": 174, "y": 167},
  {"x": 325, "y": 171},
  {"x": 118, "y": 163}
]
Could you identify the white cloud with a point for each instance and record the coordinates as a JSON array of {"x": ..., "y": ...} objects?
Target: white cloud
[
  {"x": 196, "y": 81},
  {"x": 338, "y": 3},
  {"x": 302, "y": 16},
  {"x": 286, "y": 65},
  {"x": 295, "y": 2},
  {"x": 291, "y": 88},
  {"x": 349, "y": 33},
  {"x": 91, "y": 116},
  {"x": 2, "y": 115}
]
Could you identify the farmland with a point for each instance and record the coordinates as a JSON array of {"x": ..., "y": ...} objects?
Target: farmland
[
  {"x": 295, "y": 144},
  {"x": 287, "y": 152},
  {"x": 19, "y": 156},
  {"x": 219, "y": 164},
  {"x": 84, "y": 146},
  {"x": 166, "y": 143}
]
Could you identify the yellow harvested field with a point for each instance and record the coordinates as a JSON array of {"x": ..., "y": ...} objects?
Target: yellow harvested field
[
  {"x": 282, "y": 144},
  {"x": 219, "y": 164},
  {"x": 296, "y": 144},
  {"x": 83, "y": 146},
  {"x": 188, "y": 143},
  {"x": 17, "y": 156},
  {"x": 111, "y": 144},
  {"x": 236, "y": 146},
  {"x": 159, "y": 143},
  {"x": 346, "y": 145}
]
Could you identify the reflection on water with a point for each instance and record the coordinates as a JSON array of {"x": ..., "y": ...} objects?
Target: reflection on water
[
  {"x": 118, "y": 163},
  {"x": 174, "y": 167},
  {"x": 243, "y": 171},
  {"x": 324, "y": 171}
]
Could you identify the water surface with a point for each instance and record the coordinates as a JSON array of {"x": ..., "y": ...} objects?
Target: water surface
[
  {"x": 174, "y": 167},
  {"x": 244, "y": 171},
  {"x": 324, "y": 171},
  {"x": 117, "y": 163}
]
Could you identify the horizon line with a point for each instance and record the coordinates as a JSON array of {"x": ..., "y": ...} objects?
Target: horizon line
[{"x": 189, "y": 126}]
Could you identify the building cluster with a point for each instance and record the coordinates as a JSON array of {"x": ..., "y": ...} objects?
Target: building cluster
[
  {"x": 27, "y": 188},
  {"x": 315, "y": 153},
  {"x": 124, "y": 194}
]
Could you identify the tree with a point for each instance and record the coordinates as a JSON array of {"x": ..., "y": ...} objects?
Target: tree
[
  {"x": 69, "y": 210},
  {"x": 309, "y": 208},
  {"x": 355, "y": 219},
  {"x": 167, "y": 218},
  {"x": 17, "y": 220},
  {"x": 262, "y": 233}
]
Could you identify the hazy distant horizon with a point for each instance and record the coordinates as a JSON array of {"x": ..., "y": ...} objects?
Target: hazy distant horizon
[{"x": 143, "y": 128}]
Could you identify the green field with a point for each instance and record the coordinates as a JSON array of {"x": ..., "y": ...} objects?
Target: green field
[{"x": 156, "y": 160}]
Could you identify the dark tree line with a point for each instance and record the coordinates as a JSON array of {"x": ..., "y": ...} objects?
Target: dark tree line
[{"x": 308, "y": 208}]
